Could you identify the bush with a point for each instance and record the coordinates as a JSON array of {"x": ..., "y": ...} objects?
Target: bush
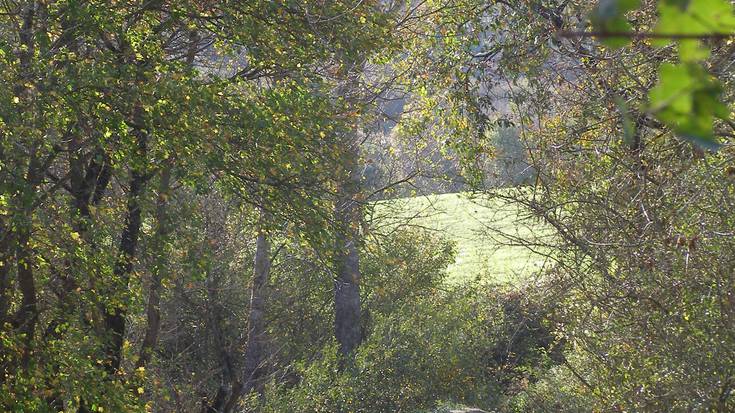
[{"x": 467, "y": 345}]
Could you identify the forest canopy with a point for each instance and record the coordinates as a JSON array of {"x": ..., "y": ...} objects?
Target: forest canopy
[{"x": 228, "y": 206}]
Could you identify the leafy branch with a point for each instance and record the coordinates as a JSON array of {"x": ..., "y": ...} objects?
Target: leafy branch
[{"x": 686, "y": 97}]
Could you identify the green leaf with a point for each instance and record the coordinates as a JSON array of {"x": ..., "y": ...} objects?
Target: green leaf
[
  {"x": 687, "y": 99},
  {"x": 696, "y": 17},
  {"x": 673, "y": 89},
  {"x": 691, "y": 50},
  {"x": 672, "y": 20},
  {"x": 716, "y": 16},
  {"x": 609, "y": 17}
]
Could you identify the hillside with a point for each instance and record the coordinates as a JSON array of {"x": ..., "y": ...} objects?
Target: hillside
[{"x": 476, "y": 226}]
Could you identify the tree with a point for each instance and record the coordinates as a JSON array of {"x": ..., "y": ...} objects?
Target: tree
[
  {"x": 623, "y": 194},
  {"x": 102, "y": 102}
]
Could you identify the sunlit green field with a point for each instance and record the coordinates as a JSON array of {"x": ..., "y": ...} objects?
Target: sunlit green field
[{"x": 486, "y": 232}]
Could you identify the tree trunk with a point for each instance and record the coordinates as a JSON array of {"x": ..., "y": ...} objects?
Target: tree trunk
[
  {"x": 115, "y": 319},
  {"x": 6, "y": 292},
  {"x": 6, "y": 255},
  {"x": 88, "y": 183},
  {"x": 27, "y": 313},
  {"x": 347, "y": 328},
  {"x": 153, "y": 307},
  {"x": 229, "y": 384},
  {"x": 255, "y": 353}
]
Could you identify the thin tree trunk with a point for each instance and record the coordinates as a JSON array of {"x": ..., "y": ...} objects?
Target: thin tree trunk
[
  {"x": 255, "y": 353},
  {"x": 6, "y": 255},
  {"x": 88, "y": 184},
  {"x": 115, "y": 319},
  {"x": 6, "y": 292},
  {"x": 229, "y": 385},
  {"x": 347, "y": 327},
  {"x": 27, "y": 315},
  {"x": 153, "y": 307},
  {"x": 28, "y": 312}
]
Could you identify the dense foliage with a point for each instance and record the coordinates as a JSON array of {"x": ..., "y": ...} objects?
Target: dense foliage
[
  {"x": 187, "y": 198},
  {"x": 639, "y": 268}
]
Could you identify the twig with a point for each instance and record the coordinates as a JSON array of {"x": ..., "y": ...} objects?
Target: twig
[{"x": 643, "y": 35}]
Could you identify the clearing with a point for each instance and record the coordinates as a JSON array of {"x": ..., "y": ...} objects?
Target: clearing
[{"x": 482, "y": 228}]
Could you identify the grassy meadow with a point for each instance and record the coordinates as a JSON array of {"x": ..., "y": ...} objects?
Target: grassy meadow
[{"x": 482, "y": 228}]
